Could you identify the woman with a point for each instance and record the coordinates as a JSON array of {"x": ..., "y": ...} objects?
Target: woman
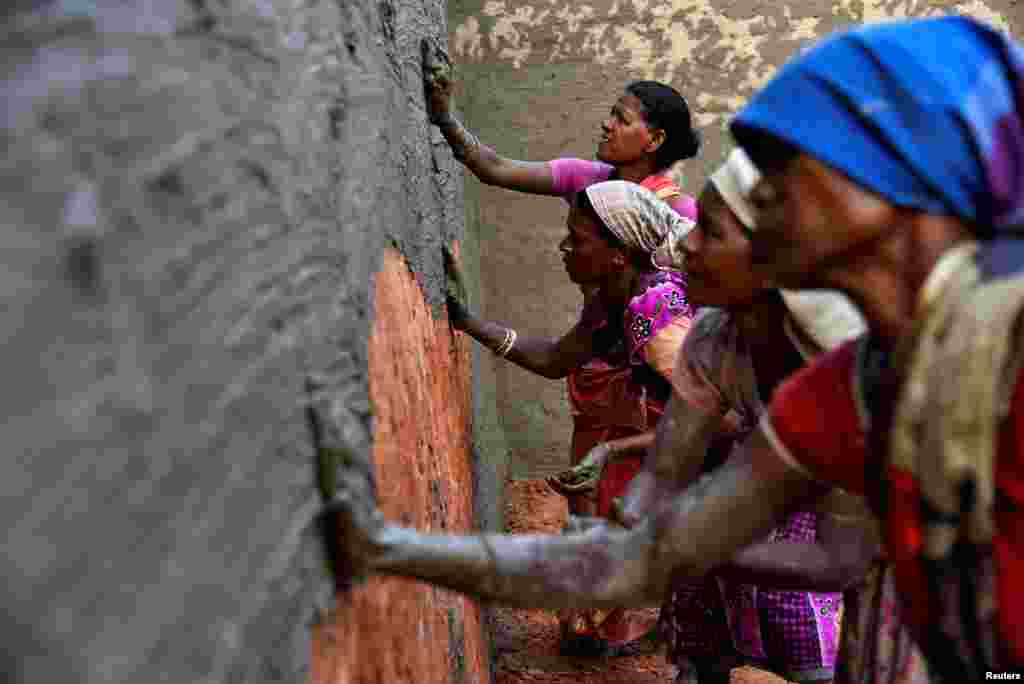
[
  {"x": 901, "y": 189},
  {"x": 647, "y": 132},
  {"x": 615, "y": 228},
  {"x": 733, "y": 357},
  {"x": 875, "y": 646},
  {"x": 930, "y": 165}
]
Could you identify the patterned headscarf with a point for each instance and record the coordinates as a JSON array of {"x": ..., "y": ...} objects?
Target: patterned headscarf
[
  {"x": 641, "y": 221},
  {"x": 826, "y": 316},
  {"x": 925, "y": 113}
]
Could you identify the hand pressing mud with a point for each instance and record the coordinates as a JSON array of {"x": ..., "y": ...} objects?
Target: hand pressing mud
[
  {"x": 584, "y": 476},
  {"x": 438, "y": 81},
  {"x": 352, "y": 527}
]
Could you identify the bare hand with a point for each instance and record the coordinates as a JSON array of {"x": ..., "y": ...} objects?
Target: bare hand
[
  {"x": 438, "y": 82},
  {"x": 456, "y": 293},
  {"x": 584, "y": 476}
]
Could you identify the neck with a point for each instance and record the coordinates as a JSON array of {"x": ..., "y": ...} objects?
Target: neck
[
  {"x": 885, "y": 283},
  {"x": 618, "y": 289},
  {"x": 638, "y": 170},
  {"x": 761, "y": 323}
]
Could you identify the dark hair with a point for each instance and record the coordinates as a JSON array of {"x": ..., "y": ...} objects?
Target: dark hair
[{"x": 665, "y": 108}]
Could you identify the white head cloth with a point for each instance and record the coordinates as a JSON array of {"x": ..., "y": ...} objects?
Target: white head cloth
[
  {"x": 827, "y": 316},
  {"x": 641, "y": 221}
]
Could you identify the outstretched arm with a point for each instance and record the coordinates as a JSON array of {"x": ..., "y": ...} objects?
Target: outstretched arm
[
  {"x": 486, "y": 164},
  {"x": 551, "y": 357},
  {"x": 847, "y": 545},
  {"x": 686, "y": 537}
]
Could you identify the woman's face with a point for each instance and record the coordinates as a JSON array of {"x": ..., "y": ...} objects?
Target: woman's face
[
  {"x": 625, "y": 136},
  {"x": 814, "y": 221},
  {"x": 588, "y": 257},
  {"x": 719, "y": 270}
]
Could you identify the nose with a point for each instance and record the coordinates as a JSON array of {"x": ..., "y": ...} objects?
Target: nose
[
  {"x": 606, "y": 126},
  {"x": 563, "y": 246}
]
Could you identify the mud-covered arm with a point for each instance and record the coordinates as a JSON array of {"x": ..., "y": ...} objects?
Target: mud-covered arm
[
  {"x": 686, "y": 537},
  {"x": 681, "y": 441},
  {"x": 840, "y": 558}
]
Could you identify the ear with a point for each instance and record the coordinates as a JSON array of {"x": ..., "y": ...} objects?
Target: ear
[{"x": 657, "y": 138}]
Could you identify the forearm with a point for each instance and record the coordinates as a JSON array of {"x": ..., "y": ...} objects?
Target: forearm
[
  {"x": 467, "y": 148},
  {"x": 541, "y": 355},
  {"x": 540, "y": 571},
  {"x": 629, "y": 445},
  {"x": 848, "y": 541},
  {"x": 674, "y": 459},
  {"x": 492, "y": 168},
  {"x": 697, "y": 531},
  {"x": 790, "y": 565}
]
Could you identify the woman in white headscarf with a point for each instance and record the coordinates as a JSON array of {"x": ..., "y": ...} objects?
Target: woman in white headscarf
[{"x": 632, "y": 327}]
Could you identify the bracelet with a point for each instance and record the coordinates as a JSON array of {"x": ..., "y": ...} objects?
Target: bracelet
[
  {"x": 446, "y": 120},
  {"x": 461, "y": 141},
  {"x": 506, "y": 345}
]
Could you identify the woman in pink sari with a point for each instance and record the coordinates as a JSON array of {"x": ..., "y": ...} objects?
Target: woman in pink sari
[{"x": 647, "y": 133}]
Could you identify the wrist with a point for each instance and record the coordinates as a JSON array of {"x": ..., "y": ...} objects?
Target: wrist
[
  {"x": 380, "y": 546},
  {"x": 445, "y": 120}
]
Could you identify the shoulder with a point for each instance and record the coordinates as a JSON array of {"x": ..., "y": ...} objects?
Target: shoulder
[
  {"x": 571, "y": 174},
  {"x": 710, "y": 355},
  {"x": 661, "y": 292},
  {"x": 660, "y": 301},
  {"x": 710, "y": 326}
]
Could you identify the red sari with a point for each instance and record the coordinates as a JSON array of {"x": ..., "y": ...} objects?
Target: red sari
[{"x": 618, "y": 395}]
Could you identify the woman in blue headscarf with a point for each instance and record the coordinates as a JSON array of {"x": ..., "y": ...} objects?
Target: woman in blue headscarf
[
  {"x": 893, "y": 168},
  {"x": 893, "y": 160}
]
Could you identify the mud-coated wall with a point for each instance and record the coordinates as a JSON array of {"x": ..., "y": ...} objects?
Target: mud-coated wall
[
  {"x": 538, "y": 76},
  {"x": 221, "y": 247}
]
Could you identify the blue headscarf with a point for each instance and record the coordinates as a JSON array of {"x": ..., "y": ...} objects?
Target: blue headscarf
[{"x": 926, "y": 113}]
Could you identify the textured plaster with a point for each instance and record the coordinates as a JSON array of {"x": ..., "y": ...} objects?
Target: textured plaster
[{"x": 195, "y": 199}]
